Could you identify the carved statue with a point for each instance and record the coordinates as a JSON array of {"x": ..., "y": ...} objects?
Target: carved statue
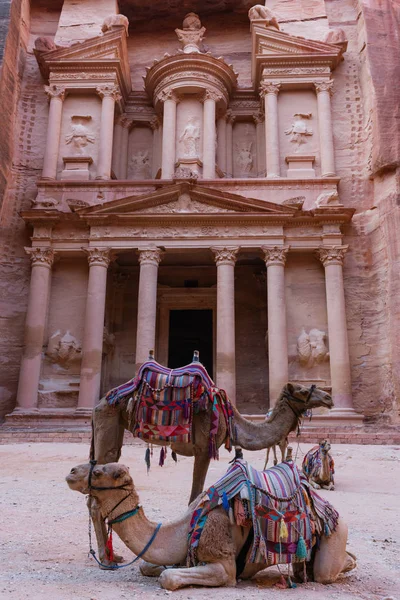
[
  {"x": 262, "y": 13},
  {"x": 190, "y": 139},
  {"x": 185, "y": 173},
  {"x": 244, "y": 157},
  {"x": 311, "y": 348},
  {"x": 325, "y": 198},
  {"x": 192, "y": 33},
  {"x": 45, "y": 203},
  {"x": 79, "y": 136},
  {"x": 299, "y": 131},
  {"x": 140, "y": 163},
  {"x": 63, "y": 349},
  {"x": 115, "y": 21}
]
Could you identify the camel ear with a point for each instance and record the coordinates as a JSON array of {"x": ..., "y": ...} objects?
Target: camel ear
[
  {"x": 290, "y": 387},
  {"x": 118, "y": 473}
]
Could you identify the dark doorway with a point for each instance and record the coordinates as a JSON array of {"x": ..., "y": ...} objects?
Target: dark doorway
[{"x": 190, "y": 330}]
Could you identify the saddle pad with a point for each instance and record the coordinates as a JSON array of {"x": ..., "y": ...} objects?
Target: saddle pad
[{"x": 279, "y": 494}]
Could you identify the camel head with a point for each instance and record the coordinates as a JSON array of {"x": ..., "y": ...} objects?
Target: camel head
[
  {"x": 300, "y": 399},
  {"x": 325, "y": 446},
  {"x": 110, "y": 476}
]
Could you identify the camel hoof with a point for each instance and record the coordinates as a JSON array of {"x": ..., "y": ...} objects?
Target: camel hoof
[
  {"x": 105, "y": 563},
  {"x": 169, "y": 580},
  {"x": 149, "y": 570},
  {"x": 350, "y": 562}
]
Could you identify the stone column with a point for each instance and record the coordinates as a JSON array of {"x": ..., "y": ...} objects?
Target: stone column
[
  {"x": 29, "y": 375},
  {"x": 332, "y": 259},
  {"x": 270, "y": 92},
  {"x": 109, "y": 94},
  {"x": 225, "y": 259},
  {"x": 275, "y": 259},
  {"x": 221, "y": 143},
  {"x": 209, "y": 134},
  {"x": 56, "y": 95},
  {"x": 149, "y": 259},
  {"x": 170, "y": 100},
  {"x": 155, "y": 126},
  {"x": 126, "y": 124},
  {"x": 92, "y": 347},
  {"x": 260, "y": 138},
  {"x": 230, "y": 119},
  {"x": 324, "y": 90},
  {"x": 115, "y": 165}
]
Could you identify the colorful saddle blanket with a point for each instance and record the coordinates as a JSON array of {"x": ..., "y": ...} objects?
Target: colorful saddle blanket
[
  {"x": 285, "y": 512},
  {"x": 312, "y": 463},
  {"x": 162, "y": 403}
]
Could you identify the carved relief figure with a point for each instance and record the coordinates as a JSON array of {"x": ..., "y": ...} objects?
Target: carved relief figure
[
  {"x": 80, "y": 136},
  {"x": 63, "y": 349},
  {"x": 262, "y": 13},
  {"x": 190, "y": 139},
  {"x": 244, "y": 157},
  {"x": 299, "y": 131},
  {"x": 311, "y": 348},
  {"x": 140, "y": 163},
  {"x": 192, "y": 33}
]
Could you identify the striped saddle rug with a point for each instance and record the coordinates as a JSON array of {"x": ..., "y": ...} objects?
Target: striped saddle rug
[
  {"x": 162, "y": 403},
  {"x": 285, "y": 513}
]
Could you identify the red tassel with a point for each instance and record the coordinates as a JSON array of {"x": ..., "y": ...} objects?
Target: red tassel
[{"x": 109, "y": 546}]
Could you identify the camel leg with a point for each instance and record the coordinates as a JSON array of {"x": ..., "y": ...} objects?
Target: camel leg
[
  {"x": 275, "y": 457},
  {"x": 101, "y": 532},
  {"x": 331, "y": 558},
  {"x": 314, "y": 485},
  {"x": 266, "y": 458},
  {"x": 212, "y": 575},
  {"x": 107, "y": 433},
  {"x": 200, "y": 468},
  {"x": 283, "y": 445},
  {"x": 149, "y": 570}
]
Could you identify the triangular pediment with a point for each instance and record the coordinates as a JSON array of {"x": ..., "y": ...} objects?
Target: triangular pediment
[
  {"x": 185, "y": 199},
  {"x": 274, "y": 48}
]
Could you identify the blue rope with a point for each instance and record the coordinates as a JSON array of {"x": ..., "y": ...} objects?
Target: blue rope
[{"x": 115, "y": 567}]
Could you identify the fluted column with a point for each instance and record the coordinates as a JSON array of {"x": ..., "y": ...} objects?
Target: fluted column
[
  {"x": 324, "y": 91},
  {"x": 225, "y": 259},
  {"x": 221, "y": 143},
  {"x": 92, "y": 347},
  {"x": 260, "y": 139},
  {"x": 275, "y": 259},
  {"x": 170, "y": 100},
  {"x": 270, "y": 91},
  {"x": 230, "y": 119},
  {"x": 332, "y": 259},
  {"x": 156, "y": 128},
  {"x": 109, "y": 94},
  {"x": 209, "y": 134},
  {"x": 149, "y": 259},
  {"x": 56, "y": 95},
  {"x": 126, "y": 124},
  {"x": 39, "y": 290},
  {"x": 115, "y": 164}
]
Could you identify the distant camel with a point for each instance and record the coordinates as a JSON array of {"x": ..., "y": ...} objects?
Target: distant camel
[{"x": 319, "y": 467}]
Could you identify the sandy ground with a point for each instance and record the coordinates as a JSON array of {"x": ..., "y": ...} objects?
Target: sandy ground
[{"x": 44, "y": 526}]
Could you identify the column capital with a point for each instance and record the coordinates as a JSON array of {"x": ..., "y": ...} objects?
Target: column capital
[
  {"x": 150, "y": 256},
  {"x": 109, "y": 90},
  {"x": 168, "y": 94},
  {"x": 43, "y": 257},
  {"x": 230, "y": 117},
  {"x": 275, "y": 255},
  {"x": 324, "y": 86},
  {"x": 258, "y": 117},
  {"x": 212, "y": 95},
  {"x": 99, "y": 257},
  {"x": 225, "y": 255},
  {"x": 331, "y": 256},
  {"x": 155, "y": 123},
  {"x": 269, "y": 87},
  {"x": 125, "y": 121},
  {"x": 55, "y": 91}
]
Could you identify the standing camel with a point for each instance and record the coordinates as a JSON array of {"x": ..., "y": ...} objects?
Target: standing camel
[{"x": 222, "y": 552}]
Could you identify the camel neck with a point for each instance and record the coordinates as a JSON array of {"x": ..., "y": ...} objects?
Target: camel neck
[{"x": 256, "y": 436}]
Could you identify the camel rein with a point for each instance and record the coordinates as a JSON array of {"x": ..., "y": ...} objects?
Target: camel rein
[
  {"x": 119, "y": 519},
  {"x": 300, "y": 414}
]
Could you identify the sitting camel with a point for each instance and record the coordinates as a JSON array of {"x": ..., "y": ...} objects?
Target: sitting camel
[
  {"x": 227, "y": 545},
  {"x": 319, "y": 466}
]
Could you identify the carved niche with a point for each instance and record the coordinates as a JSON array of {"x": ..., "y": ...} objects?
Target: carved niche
[
  {"x": 64, "y": 349},
  {"x": 298, "y": 131},
  {"x": 80, "y": 136}
]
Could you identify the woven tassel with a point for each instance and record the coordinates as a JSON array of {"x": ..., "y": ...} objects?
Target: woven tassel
[
  {"x": 147, "y": 458},
  {"x": 109, "y": 546},
  {"x": 301, "y": 551},
  {"x": 283, "y": 530},
  {"x": 231, "y": 516},
  {"x": 327, "y": 530},
  {"x": 162, "y": 457},
  {"x": 173, "y": 456}
]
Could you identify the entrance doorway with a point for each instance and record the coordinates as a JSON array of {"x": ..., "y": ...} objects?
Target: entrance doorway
[{"x": 190, "y": 330}]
